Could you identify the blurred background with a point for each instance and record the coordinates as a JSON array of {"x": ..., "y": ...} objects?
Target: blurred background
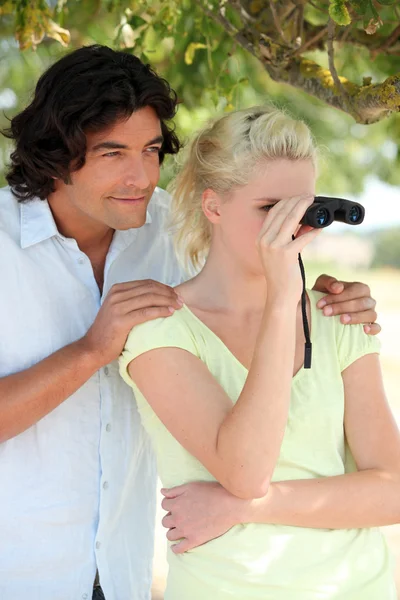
[{"x": 211, "y": 75}]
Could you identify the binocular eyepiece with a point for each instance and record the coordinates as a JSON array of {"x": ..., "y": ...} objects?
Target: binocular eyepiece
[{"x": 325, "y": 210}]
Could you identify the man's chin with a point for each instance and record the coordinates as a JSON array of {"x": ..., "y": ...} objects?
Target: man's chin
[{"x": 133, "y": 223}]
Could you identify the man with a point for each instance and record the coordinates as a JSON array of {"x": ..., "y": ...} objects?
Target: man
[{"x": 79, "y": 242}]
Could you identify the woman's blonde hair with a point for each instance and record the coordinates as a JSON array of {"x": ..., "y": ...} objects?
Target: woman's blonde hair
[{"x": 223, "y": 156}]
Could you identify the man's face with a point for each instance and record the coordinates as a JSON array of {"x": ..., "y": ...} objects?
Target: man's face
[{"x": 116, "y": 183}]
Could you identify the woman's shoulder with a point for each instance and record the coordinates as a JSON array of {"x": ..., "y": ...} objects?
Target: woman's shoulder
[
  {"x": 349, "y": 340},
  {"x": 179, "y": 331}
]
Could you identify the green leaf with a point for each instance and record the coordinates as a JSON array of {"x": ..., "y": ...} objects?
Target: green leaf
[
  {"x": 136, "y": 22},
  {"x": 360, "y": 6},
  {"x": 339, "y": 13}
]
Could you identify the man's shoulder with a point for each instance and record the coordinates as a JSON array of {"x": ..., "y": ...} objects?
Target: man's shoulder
[
  {"x": 161, "y": 198},
  {"x": 160, "y": 205},
  {"x": 7, "y": 198},
  {"x": 9, "y": 212}
]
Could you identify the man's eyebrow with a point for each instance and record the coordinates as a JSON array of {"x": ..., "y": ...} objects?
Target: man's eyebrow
[
  {"x": 110, "y": 145},
  {"x": 157, "y": 140}
]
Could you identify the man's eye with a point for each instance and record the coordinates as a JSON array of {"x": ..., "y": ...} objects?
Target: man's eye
[
  {"x": 267, "y": 207},
  {"x": 115, "y": 153},
  {"x": 153, "y": 150}
]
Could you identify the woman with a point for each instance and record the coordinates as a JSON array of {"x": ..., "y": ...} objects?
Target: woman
[{"x": 224, "y": 395}]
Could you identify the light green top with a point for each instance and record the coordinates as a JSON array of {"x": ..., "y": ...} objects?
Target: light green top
[{"x": 261, "y": 561}]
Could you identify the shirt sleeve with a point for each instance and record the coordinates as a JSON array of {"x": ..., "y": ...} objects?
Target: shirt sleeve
[
  {"x": 353, "y": 343},
  {"x": 170, "y": 332}
]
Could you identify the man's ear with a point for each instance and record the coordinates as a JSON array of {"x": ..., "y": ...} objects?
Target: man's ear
[{"x": 211, "y": 204}]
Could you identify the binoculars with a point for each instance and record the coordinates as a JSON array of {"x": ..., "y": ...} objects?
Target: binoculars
[{"x": 325, "y": 210}]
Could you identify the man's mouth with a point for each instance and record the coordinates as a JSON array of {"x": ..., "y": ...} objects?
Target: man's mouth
[{"x": 131, "y": 200}]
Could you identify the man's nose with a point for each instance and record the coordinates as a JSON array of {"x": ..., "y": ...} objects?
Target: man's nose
[{"x": 136, "y": 174}]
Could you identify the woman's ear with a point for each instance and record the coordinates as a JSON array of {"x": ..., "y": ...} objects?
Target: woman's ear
[{"x": 211, "y": 204}]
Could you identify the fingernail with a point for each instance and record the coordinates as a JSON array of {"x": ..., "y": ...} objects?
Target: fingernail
[
  {"x": 171, "y": 309},
  {"x": 336, "y": 286},
  {"x": 180, "y": 301},
  {"x": 346, "y": 318},
  {"x": 321, "y": 303},
  {"x": 328, "y": 311},
  {"x": 367, "y": 328}
]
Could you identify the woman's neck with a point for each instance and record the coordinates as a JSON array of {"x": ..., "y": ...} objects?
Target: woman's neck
[{"x": 223, "y": 285}]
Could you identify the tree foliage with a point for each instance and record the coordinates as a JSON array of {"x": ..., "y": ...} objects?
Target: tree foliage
[
  {"x": 279, "y": 33},
  {"x": 225, "y": 54}
]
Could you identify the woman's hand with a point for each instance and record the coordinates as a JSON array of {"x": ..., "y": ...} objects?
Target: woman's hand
[{"x": 279, "y": 252}]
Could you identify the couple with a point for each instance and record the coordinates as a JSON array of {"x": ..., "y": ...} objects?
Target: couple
[{"x": 80, "y": 240}]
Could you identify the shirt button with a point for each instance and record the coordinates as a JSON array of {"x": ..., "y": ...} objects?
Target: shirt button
[
  {"x": 85, "y": 596},
  {"x": 106, "y": 371},
  {"x": 98, "y": 545},
  {"x": 81, "y": 261},
  {"x": 108, "y": 427},
  {"x": 105, "y": 485}
]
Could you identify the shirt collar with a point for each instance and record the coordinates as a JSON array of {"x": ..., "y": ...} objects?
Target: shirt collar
[
  {"x": 38, "y": 224},
  {"x": 124, "y": 237}
]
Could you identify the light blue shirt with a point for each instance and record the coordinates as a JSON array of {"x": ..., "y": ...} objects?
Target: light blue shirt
[{"x": 77, "y": 489}]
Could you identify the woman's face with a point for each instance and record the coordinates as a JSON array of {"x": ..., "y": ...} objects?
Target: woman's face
[{"x": 243, "y": 211}]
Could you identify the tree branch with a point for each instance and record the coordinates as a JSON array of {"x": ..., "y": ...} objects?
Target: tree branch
[
  {"x": 366, "y": 103},
  {"x": 331, "y": 60}
]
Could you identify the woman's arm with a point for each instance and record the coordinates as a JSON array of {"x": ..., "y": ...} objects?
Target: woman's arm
[
  {"x": 198, "y": 512},
  {"x": 238, "y": 444},
  {"x": 367, "y": 498}
]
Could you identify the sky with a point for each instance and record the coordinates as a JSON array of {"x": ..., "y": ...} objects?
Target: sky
[{"x": 381, "y": 203}]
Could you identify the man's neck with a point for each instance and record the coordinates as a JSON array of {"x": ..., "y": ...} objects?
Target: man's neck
[{"x": 93, "y": 238}]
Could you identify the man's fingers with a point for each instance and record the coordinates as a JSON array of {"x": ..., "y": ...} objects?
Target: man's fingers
[
  {"x": 168, "y": 521},
  {"x": 351, "y": 291},
  {"x": 150, "y": 284},
  {"x": 146, "y": 301},
  {"x": 173, "y": 535},
  {"x": 182, "y": 546},
  {"x": 138, "y": 292},
  {"x": 149, "y": 313},
  {"x": 366, "y": 317},
  {"x": 362, "y": 307},
  {"x": 173, "y": 492},
  {"x": 327, "y": 284},
  {"x": 372, "y": 329}
]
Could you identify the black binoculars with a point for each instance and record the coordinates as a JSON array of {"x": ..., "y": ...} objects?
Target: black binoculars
[{"x": 325, "y": 210}]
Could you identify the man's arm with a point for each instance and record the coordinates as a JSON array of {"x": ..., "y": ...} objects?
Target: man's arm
[
  {"x": 27, "y": 396},
  {"x": 352, "y": 301}
]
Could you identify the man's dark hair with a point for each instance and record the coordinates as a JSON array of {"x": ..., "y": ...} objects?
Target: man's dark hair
[{"x": 84, "y": 92}]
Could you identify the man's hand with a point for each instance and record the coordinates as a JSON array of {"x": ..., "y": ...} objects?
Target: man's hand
[
  {"x": 126, "y": 305},
  {"x": 350, "y": 300},
  {"x": 199, "y": 512}
]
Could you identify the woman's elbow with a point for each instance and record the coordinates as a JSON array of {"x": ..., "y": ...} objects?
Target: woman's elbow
[{"x": 247, "y": 489}]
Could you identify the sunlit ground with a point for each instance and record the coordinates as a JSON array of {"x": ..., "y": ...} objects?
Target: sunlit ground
[{"x": 385, "y": 287}]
